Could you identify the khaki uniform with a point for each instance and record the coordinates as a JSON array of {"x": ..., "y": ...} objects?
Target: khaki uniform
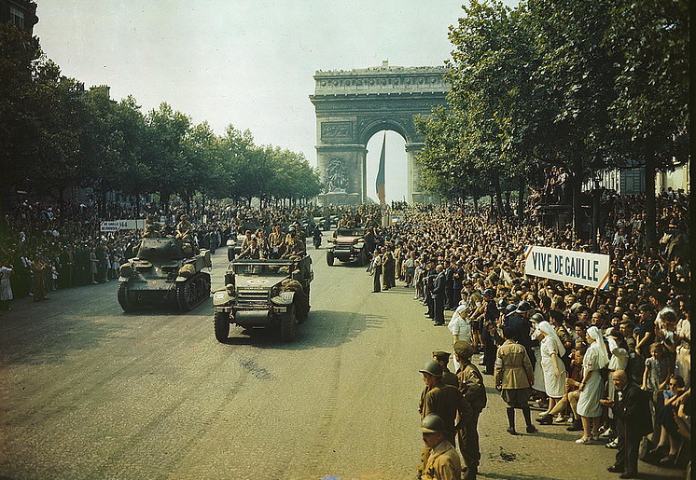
[
  {"x": 513, "y": 369},
  {"x": 442, "y": 463},
  {"x": 474, "y": 393},
  {"x": 449, "y": 378}
]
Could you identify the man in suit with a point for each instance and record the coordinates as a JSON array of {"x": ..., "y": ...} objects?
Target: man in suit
[
  {"x": 439, "y": 296},
  {"x": 633, "y": 421}
]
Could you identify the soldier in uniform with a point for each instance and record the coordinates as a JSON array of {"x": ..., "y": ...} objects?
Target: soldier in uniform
[
  {"x": 442, "y": 460},
  {"x": 184, "y": 229},
  {"x": 448, "y": 378},
  {"x": 439, "y": 398},
  {"x": 474, "y": 392},
  {"x": 152, "y": 228}
]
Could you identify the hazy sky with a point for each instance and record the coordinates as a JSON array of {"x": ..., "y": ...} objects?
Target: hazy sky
[{"x": 245, "y": 62}]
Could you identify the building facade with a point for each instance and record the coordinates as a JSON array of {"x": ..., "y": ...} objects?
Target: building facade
[{"x": 20, "y": 13}]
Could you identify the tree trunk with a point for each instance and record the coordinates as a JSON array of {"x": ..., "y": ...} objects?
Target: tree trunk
[
  {"x": 164, "y": 201},
  {"x": 498, "y": 194},
  {"x": 576, "y": 185},
  {"x": 520, "y": 198},
  {"x": 650, "y": 203},
  {"x": 476, "y": 208}
]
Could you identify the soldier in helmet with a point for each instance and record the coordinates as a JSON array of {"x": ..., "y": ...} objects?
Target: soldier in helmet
[
  {"x": 439, "y": 398},
  {"x": 472, "y": 389},
  {"x": 442, "y": 460}
]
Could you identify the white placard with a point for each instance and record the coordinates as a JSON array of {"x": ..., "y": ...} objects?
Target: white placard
[
  {"x": 581, "y": 268},
  {"x": 109, "y": 226},
  {"x": 116, "y": 225}
]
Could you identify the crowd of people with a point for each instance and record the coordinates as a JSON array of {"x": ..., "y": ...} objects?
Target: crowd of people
[
  {"x": 613, "y": 364},
  {"x": 45, "y": 248}
]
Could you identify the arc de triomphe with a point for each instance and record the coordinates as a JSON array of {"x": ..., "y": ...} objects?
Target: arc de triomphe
[{"x": 353, "y": 105}]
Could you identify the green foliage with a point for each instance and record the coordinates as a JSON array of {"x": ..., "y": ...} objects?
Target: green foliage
[
  {"x": 56, "y": 135},
  {"x": 582, "y": 84}
]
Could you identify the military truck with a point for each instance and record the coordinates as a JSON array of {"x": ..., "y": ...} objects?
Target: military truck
[
  {"x": 348, "y": 245},
  {"x": 264, "y": 293},
  {"x": 167, "y": 271}
]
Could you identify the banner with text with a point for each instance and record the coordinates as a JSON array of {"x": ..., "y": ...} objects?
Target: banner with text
[
  {"x": 581, "y": 268},
  {"x": 116, "y": 225}
]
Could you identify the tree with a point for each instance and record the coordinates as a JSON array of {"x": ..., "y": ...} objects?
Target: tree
[
  {"x": 651, "y": 39},
  {"x": 165, "y": 133}
]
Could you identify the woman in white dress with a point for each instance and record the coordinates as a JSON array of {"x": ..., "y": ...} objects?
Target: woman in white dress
[
  {"x": 552, "y": 350},
  {"x": 592, "y": 385},
  {"x": 539, "y": 383},
  {"x": 460, "y": 328}
]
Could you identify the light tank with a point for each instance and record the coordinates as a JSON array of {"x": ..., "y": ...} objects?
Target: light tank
[{"x": 166, "y": 271}]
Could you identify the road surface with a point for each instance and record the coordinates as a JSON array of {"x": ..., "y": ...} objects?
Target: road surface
[{"x": 88, "y": 392}]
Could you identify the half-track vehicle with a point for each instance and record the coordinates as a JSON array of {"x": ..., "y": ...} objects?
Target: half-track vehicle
[
  {"x": 348, "y": 245},
  {"x": 164, "y": 271},
  {"x": 264, "y": 293}
]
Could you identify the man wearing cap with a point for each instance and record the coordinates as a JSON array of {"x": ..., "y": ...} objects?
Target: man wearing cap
[
  {"x": 474, "y": 393},
  {"x": 448, "y": 378},
  {"x": 519, "y": 323},
  {"x": 441, "y": 460},
  {"x": 439, "y": 296},
  {"x": 488, "y": 325}
]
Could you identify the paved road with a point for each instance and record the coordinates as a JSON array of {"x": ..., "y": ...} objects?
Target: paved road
[{"x": 87, "y": 392}]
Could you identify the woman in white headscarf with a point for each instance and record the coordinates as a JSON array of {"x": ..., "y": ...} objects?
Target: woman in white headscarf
[
  {"x": 552, "y": 350},
  {"x": 592, "y": 385}
]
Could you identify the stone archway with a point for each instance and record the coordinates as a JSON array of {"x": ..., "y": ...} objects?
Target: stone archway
[{"x": 353, "y": 105}]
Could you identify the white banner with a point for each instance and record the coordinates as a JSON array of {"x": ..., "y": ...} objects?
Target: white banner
[
  {"x": 116, "y": 225},
  {"x": 581, "y": 268},
  {"x": 109, "y": 226}
]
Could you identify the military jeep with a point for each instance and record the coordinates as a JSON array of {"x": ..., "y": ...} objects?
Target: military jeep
[
  {"x": 264, "y": 293},
  {"x": 348, "y": 245}
]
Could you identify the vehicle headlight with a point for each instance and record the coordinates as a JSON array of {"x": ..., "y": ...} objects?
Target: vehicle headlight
[
  {"x": 275, "y": 291},
  {"x": 230, "y": 289}
]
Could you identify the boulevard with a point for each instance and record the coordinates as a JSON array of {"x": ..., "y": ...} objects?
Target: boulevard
[{"x": 90, "y": 392}]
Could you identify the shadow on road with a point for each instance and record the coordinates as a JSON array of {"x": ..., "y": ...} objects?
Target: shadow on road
[
  {"x": 323, "y": 329},
  {"x": 517, "y": 476}
]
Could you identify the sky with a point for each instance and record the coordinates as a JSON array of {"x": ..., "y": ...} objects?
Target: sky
[{"x": 248, "y": 63}]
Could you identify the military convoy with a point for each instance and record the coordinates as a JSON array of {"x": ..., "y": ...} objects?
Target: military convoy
[
  {"x": 348, "y": 246},
  {"x": 164, "y": 271},
  {"x": 264, "y": 293}
]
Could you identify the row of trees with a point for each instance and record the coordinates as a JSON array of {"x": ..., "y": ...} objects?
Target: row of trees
[
  {"x": 581, "y": 84},
  {"x": 55, "y": 135}
]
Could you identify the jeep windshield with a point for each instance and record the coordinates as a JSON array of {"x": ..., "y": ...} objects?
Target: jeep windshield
[
  {"x": 263, "y": 267},
  {"x": 350, "y": 232}
]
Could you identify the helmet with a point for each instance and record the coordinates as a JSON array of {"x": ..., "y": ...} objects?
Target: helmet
[
  {"x": 432, "y": 424},
  {"x": 523, "y": 307},
  {"x": 510, "y": 309},
  {"x": 489, "y": 292},
  {"x": 432, "y": 368},
  {"x": 463, "y": 349},
  {"x": 537, "y": 317},
  {"x": 502, "y": 303}
]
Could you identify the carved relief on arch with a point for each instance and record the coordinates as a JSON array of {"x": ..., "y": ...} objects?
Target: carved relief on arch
[{"x": 336, "y": 130}]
